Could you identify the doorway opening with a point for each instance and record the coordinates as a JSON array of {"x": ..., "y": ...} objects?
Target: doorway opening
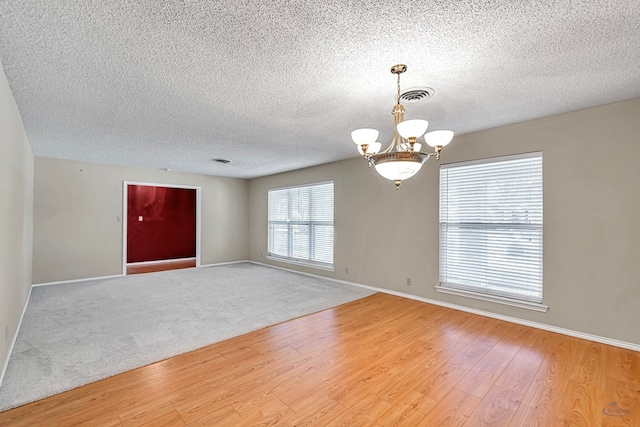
[{"x": 161, "y": 227}]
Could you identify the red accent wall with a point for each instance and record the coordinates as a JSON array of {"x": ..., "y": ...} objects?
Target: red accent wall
[{"x": 168, "y": 226}]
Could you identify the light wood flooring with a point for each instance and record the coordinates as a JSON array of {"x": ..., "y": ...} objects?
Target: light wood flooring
[
  {"x": 173, "y": 264},
  {"x": 378, "y": 361}
]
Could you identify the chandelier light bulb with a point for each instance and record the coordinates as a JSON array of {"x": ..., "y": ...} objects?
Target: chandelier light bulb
[
  {"x": 439, "y": 138},
  {"x": 412, "y": 128},
  {"x": 364, "y": 136}
]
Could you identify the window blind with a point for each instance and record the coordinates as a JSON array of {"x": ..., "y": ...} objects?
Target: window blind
[
  {"x": 301, "y": 224},
  {"x": 491, "y": 227}
]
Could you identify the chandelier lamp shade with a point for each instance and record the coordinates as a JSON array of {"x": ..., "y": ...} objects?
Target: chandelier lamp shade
[{"x": 402, "y": 158}]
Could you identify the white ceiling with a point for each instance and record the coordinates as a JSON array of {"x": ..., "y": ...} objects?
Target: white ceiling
[{"x": 279, "y": 85}]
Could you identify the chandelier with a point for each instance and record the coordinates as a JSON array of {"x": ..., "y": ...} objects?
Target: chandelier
[{"x": 402, "y": 158}]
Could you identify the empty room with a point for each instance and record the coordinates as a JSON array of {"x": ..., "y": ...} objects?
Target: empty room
[{"x": 325, "y": 213}]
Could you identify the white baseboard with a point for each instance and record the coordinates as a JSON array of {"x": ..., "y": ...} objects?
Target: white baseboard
[
  {"x": 224, "y": 263},
  {"x": 88, "y": 279},
  {"x": 77, "y": 280},
  {"x": 543, "y": 326},
  {"x": 15, "y": 337}
]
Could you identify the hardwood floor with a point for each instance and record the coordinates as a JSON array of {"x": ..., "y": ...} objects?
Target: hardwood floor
[
  {"x": 173, "y": 264},
  {"x": 381, "y": 361}
]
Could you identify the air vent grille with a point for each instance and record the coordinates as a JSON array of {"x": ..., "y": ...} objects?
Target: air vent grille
[{"x": 416, "y": 94}]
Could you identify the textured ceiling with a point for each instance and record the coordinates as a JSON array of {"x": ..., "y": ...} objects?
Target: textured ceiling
[{"x": 279, "y": 85}]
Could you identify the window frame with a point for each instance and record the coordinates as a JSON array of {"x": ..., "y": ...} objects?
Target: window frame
[
  {"x": 310, "y": 223},
  {"x": 473, "y": 291}
]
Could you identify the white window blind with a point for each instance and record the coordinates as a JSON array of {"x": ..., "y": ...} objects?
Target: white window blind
[
  {"x": 491, "y": 227},
  {"x": 301, "y": 224}
]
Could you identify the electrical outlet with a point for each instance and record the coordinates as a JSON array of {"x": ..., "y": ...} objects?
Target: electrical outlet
[
  {"x": 346, "y": 270},
  {"x": 408, "y": 281}
]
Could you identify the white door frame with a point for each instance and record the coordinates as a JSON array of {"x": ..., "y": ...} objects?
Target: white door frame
[{"x": 125, "y": 199}]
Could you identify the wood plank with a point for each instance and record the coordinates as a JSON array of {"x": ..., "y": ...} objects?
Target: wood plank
[
  {"x": 440, "y": 350},
  {"x": 363, "y": 413},
  {"x": 440, "y": 382},
  {"x": 410, "y": 407},
  {"x": 543, "y": 402},
  {"x": 453, "y": 410},
  {"x": 622, "y": 383},
  {"x": 497, "y": 408},
  {"x": 586, "y": 382},
  {"x": 483, "y": 375},
  {"x": 222, "y": 416},
  {"x": 319, "y": 414},
  {"x": 97, "y": 419},
  {"x": 270, "y": 413},
  {"x": 170, "y": 419},
  {"x": 521, "y": 370},
  {"x": 316, "y": 410}
]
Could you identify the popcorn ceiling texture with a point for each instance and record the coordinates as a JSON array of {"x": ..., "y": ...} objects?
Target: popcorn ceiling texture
[{"x": 279, "y": 85}]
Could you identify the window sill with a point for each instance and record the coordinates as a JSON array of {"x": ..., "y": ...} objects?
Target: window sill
[
  {"x": 301, "y": 263},
  {"x": 492, "y": 298}
]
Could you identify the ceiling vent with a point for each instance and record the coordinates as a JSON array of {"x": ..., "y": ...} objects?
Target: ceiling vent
[
  {"x": 416, "y": 94},
  {"x": 222, "y": 161}
]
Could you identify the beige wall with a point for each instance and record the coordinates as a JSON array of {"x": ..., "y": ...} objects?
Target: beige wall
[
  {"x": 16, "y": 217},
  {"x": 591, "y": 219},
  {"x": 78, "y": 217}
]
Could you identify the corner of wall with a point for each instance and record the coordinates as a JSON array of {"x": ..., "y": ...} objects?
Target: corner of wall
[{"x": 16, "y": 219}]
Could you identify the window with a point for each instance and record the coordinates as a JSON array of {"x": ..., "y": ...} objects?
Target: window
[
  {"x": 491, "y": 229},
  {"x": 301, "y": 225}
]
